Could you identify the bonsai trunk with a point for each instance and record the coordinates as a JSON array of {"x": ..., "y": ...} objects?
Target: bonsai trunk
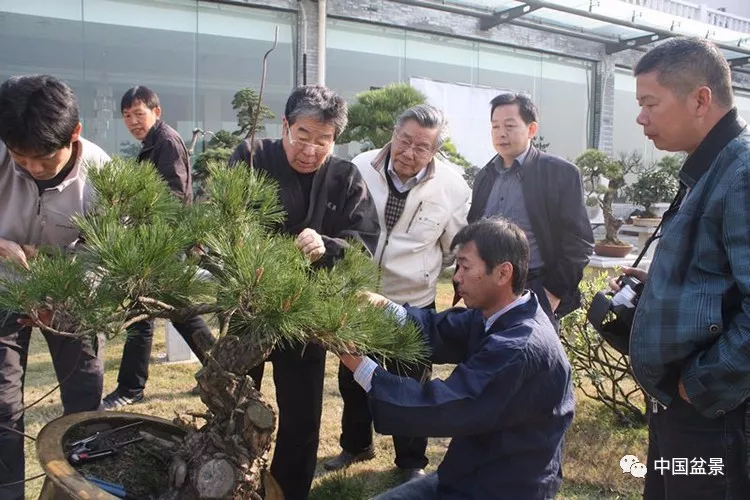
[
  {"x": 226, "y": 458},
  {"x": 611, "y": 224}
]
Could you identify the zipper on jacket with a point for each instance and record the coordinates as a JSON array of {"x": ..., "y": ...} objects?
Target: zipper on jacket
[
  {"x": 411, "y": 221},
  {"x": 655, "y": 403},
  {"x": 39, "y": 206}
]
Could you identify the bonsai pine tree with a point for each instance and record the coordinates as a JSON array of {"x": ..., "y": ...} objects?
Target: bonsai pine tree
[
  {"x": 372, "y": 115},
  {"x": 138, "y": 258}
]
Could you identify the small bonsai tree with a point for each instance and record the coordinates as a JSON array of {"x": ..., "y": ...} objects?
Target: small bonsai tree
[
  {"x": 652, "y": 187},
  {"x": 594, "y": 165},
  {"x": 222, "y": 143}
]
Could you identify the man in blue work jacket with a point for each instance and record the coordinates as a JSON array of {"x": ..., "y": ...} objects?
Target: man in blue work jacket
[{"x": 509, "y": 400}]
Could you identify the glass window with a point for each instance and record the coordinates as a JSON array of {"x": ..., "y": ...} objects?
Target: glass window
[
  {"x": 194, "y": 55},
  {"x": 362, "y": 56}
]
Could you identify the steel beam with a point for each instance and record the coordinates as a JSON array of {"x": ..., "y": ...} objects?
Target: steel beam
[
  {"x": 504, "y": 16},
  {"x": 736, "y": 62},
  {"x": 631, "y": 43}
]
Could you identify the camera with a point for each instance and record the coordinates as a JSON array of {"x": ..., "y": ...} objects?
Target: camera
[{"x": 611, "y": 314}]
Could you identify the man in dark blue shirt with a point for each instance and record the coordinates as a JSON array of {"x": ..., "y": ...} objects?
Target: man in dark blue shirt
[{"x": 509, "y": 400}]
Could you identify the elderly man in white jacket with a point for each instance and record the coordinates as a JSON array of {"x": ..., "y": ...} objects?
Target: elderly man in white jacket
[{"x": 422, "y": 203}]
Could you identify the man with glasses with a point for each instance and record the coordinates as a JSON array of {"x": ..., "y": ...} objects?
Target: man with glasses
[
  {"x": 543, "y": 195},
  {"x": 326, "y": 203},
  {"x": 422, "y": 204}
]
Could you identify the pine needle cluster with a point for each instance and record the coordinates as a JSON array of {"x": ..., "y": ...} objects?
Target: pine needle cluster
[{"x": 143, "y": 254}]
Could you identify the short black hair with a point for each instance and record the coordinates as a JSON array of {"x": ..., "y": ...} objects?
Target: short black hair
[
  {"x": 684, "y": 64},
  {"x": 38, "y": 114},
  {"x": 139, "y": 94},
  {"x": 317, "y": 102},
  {"x": 498, "y": 240},
  {"x": 526, "y": 106}
]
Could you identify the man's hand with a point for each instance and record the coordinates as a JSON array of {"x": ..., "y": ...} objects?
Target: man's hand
[
  {"x": 12, "y": 251},
  {"x": 44, "y": 316},
  {"x": 374, "y": 299},
  {"x": 554, "y": 302},
  {"x": 311, "y": 244},
  {"x": 351, "y": 361},
  {"x": 639, "y": 274}
]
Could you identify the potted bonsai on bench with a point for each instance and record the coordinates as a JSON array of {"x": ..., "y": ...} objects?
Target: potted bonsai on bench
[
  {"x": 594, "y": 166},
  {"x": 659, "y": 184}
]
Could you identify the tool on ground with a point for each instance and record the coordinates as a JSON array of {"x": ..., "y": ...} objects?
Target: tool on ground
[
  {"x": 81, "y": 457},
  {"x": 89, "y": 443},
  {"x": 88, "y": 449}
]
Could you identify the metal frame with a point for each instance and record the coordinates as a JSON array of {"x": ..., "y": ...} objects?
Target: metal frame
[
  {"x": 504, "y": 16},
  {"x": 736, "y": 62},
  {"x": 627, "y": 24},
  {"x": 631, "y": 43}
]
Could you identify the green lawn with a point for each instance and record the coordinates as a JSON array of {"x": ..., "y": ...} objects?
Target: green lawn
[{"x": 593, "y": 448}]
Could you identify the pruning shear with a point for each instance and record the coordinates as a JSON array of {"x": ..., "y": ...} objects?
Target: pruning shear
[{"x": 86, "y": 449}]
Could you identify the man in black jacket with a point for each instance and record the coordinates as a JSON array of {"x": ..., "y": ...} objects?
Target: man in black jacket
[
  {"x": 326, "y": 203},
  {"x": 164, "y": 148},
  {"x": 542, "y": 194}
]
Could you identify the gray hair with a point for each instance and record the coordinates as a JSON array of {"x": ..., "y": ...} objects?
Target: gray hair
[
  {"x": 684, "y": 64},
  {"x": 428, "y": 117},
  {"x": 319, "y": 103}
]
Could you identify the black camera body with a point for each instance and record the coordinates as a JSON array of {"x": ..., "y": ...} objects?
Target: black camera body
[{"x": 616, "y": 331}]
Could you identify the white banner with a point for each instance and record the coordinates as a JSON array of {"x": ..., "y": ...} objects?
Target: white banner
[{"x": 468, "y": 111}]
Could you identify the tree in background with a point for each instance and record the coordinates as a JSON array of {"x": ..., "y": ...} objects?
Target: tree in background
[
  {"x": 245, "y": 102},
  {"x": 223, "y": 142},
  {"x": 373, "y": 115}
]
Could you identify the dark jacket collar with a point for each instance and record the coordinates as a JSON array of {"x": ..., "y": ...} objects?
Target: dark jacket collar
[
  {"x": 726, "y": 129},
  {"x": 153, "y": 135}
]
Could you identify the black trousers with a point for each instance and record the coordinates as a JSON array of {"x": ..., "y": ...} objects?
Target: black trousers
[
  {"x": 136, "y": 354},
  {"x": 76, "y": 367},
  {"x": 682, "y": 445},
  {"x": 298, "y": 373},
  {"x": 356, "y": 420}
]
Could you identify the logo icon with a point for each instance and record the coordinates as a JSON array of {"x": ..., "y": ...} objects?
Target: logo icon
[
  {"x": 638, "y": 469},
  {"x": 631, "y": 464}
]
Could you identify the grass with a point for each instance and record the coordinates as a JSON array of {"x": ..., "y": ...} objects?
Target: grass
[{"x": 593, "y": 448}]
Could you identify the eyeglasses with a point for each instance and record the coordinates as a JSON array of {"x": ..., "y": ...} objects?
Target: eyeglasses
[
  {"x": 405, "y": 144},
  {"x": 318, "y": 148}
]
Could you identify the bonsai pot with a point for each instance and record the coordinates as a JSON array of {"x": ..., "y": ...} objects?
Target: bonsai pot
[
  {"x": 64, "y": 482},
  {"x": 646, "y": 221},
  {"x": 608, "y": 250}
]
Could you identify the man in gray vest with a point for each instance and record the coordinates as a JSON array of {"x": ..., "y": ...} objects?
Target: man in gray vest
[{"x": 43, "y": 182}]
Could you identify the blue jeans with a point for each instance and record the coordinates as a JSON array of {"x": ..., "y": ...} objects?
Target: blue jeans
[
  {"x": 425, "y": 488},
  {"x": 681, "y": 433}
]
